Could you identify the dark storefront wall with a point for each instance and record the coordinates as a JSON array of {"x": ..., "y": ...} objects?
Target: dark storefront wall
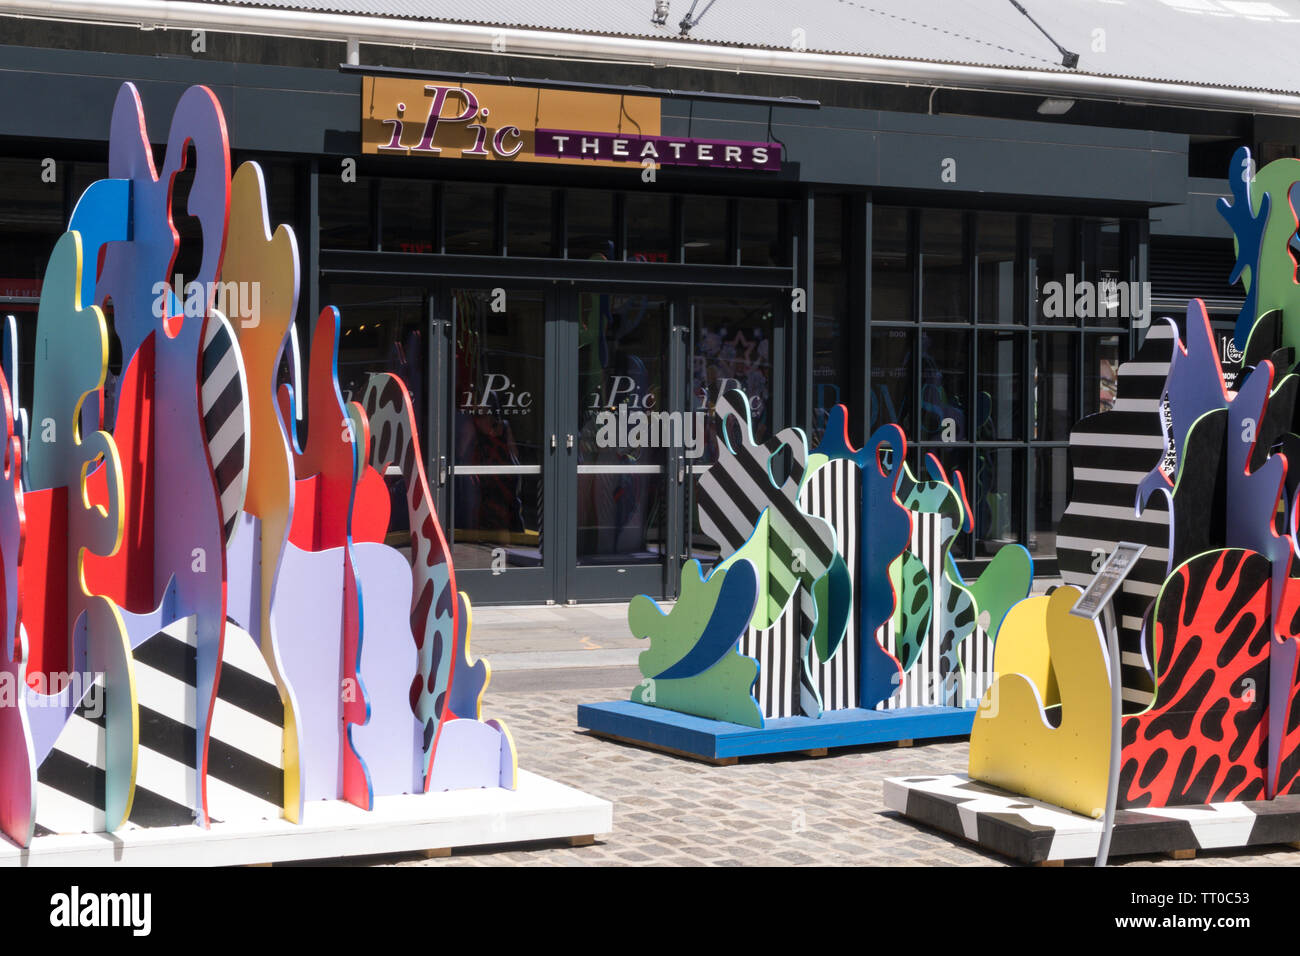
[
  {"x": 926, "y": 313},
  {"x": 651, "y": 304},
  {"x": 962, "y": 353}
]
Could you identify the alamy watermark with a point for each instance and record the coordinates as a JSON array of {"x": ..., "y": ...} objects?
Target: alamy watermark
[
  {"x": 1104, "y": 299},
  {"x": 629, "y": 420},
  {"x": 240, "y": 302},
  {"x": 47, "y": 690},
  {"x": 639, "y": 428}
]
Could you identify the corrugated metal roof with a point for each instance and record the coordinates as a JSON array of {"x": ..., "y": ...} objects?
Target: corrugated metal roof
[{"x": 1241, "y": 44}]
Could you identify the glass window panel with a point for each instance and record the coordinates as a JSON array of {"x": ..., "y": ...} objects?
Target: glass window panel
[
  {"x": 32, "y": 218},
  {"x": 945, "y": 384},
  {"x": 995, "y": 268},
  {"x": 999, "y": 376},
  {"x": 499, "y": 398},
  {"x": 382, "y": 330},
  {"x": 1112, "y": 307},
  {"x": 952, "y": 459},
  {"x": 831, "y": 338},
  {"x": 622, "y": 392},
  {"x": 1102, "y": 355},
  {"x": 649, "y": 228},
  {"x": 1053, "y": 269},
  {"x": 282, "y": 192},
  {"x": 406, "y": 215},
  {"x": 760, "y": 232},
  {"x": 469, "y": 219},
  {"x": 1051, "y": 480},
  {"x": 590, "y": 213},
  {"x": 733, "y": 349},
  {"x": 1054, "y": 385},
  {"x": 945, "y": 287},
  {"x": 706, "y": 229},
  {"x": 893, "y": 379},
  {"x": 997, "y": 498},
  {"x": 345, "y": 220},
  {"x": 528, "y": 221},
  {"x": 891, "y": 265}
]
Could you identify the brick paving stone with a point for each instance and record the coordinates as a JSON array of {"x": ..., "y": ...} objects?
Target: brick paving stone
[{"x": 672, "y": 811}]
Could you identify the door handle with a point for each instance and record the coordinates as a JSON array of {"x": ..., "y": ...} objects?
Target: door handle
[
  {"x": 553, "y": 442},
  {"x": 568, "y": 441}
]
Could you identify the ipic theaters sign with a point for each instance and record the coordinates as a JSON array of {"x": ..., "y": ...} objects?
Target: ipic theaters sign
[{"x": 406, "y": 117}]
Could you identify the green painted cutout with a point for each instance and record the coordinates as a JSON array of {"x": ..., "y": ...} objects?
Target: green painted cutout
[
  {"x": 1005, "y": 581},
  {"x": 723, "y": 691},
  {"x": 915, "y": 603}
]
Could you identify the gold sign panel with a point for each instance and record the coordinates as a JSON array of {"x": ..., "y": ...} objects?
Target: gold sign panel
[{"x": 470, "y": 120}]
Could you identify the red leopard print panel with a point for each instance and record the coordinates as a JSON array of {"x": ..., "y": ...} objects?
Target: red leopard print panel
[
  {"x": 1288, "y": 776},
  {"x": 1205, "y": 738}
]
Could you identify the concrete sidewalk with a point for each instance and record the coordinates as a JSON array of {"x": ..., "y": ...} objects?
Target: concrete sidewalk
[{"x": 557, "y": 647}]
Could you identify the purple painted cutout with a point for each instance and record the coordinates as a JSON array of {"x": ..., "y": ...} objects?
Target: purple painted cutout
[
  {"x": 132, "y": 268},
  {"x": 244, "y": 577},
  {"x": 469, "y": 754},
  {"x": 1193, "y": 387},
  {"x": 141, "y": 627},
  {"x": 389, "y": 742},
  {"x": 467, "y": 680},
  {"x": 307, "y": 614}
]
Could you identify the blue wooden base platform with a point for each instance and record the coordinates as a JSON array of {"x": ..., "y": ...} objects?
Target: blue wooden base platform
[{"x": 719, "y": 741}]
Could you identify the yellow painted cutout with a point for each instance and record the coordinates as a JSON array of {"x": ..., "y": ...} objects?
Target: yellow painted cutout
[
  {"x": 1013, "y": 746},
  {"x": 254, "y": 255},
  {"x": 1022, "y": 647}
]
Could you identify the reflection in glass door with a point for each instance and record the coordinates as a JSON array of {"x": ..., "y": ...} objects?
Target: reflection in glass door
[
  {"x": 499, "y": 444},
  {"x": 629, "y": 427},
  {"x": 383, "y": 330},
  {"x": 734, "y": 347}
]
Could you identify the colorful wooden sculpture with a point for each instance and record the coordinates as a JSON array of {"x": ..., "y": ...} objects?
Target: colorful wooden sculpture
[
  {"x": 817, "y": 657},
  {"x": 1015, "y": 746},
  {"x": 269, "y": 262},
  {"x": 17, "y": 757},
  {"x": 1209, "y": 690},
  {"x": 395, "y": 441},
  {"x": 147, "y": 704}
]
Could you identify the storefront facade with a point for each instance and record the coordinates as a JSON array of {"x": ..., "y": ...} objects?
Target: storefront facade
[{"x": 566, "y": 305}]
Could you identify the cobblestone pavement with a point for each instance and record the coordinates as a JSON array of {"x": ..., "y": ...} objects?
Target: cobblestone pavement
[
  {"x": 674, "y": 811},
  {"x": 766, "y": 812}
]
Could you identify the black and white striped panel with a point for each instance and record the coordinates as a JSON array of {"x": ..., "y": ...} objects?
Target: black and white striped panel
[
  {"x": 70, "y": 782},
  {"x": 225, "y": 415},
  {"x": 1109, "y": 455},
  {"x": 166, "y": 778},
  {"x": 977, "y": 664},
  {"x": 776, "y": 649},
  {"x": 246, "y": 736},
  {"x": 833, "y": 492}
]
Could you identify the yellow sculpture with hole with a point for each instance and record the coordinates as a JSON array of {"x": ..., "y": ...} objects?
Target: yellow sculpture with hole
[{"x": 1013, "y": 745}]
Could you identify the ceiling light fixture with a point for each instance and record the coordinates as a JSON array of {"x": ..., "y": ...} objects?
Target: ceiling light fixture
[{"x": 1055, "y": 107}]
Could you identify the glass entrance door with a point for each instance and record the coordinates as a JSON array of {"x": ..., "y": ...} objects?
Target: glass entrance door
[
  {"x": 501, "y": 443},
  {"x": 627, "y": 400},
  {"x": 577, "y": 421}
]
